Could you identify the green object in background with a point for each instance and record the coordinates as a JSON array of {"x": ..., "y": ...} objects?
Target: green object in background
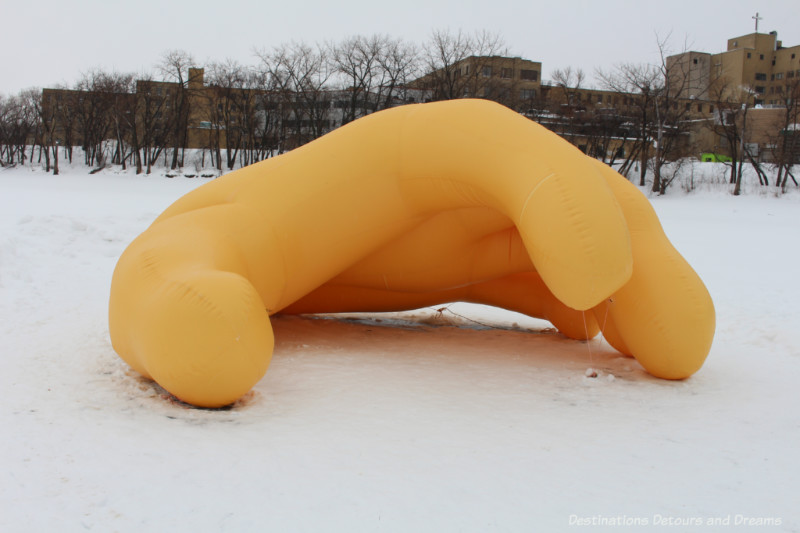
[{"x": 714, "y": 158}]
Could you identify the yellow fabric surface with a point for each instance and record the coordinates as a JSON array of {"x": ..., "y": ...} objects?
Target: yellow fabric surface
[{"x": 413, "y": 206}]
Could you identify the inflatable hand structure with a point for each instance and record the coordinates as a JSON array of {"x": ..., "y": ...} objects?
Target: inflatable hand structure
[{"x": 413, "y": 206}]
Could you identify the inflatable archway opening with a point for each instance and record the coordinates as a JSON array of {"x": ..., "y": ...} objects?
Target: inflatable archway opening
[{"x": 413, "y": 206}]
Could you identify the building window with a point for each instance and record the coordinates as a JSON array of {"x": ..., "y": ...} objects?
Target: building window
[
  {"x": 507, "y": 73},
  {"x": 694, "y": 61},
  {"x": 790, "y": 74},
  {"x": 760, "y": 76},
  {"x": 760, "y": 89},
  {"x": 779, "y": 76},
  {"x": 749, "y": 55},
  {"x": 699, "y": 108},
  {"x": 761, "y": 56},
  {"x": 688, "y": 107},
  {"x": 530, "y": 75},
  {"x": 487, "y": 72},
  {"x": 527, "y": 94}
]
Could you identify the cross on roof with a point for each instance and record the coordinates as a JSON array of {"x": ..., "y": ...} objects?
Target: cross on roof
[{"x": 757, "y": 18}]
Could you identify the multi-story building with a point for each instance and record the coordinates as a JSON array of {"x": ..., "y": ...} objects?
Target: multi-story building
[
  {"x": 755, "y": 85},
  {"x": 758, "y": 62},
  {"x": 512, "y": 81}
]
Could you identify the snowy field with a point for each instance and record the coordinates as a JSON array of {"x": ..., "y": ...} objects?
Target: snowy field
[{"x": 462, "y": 418}]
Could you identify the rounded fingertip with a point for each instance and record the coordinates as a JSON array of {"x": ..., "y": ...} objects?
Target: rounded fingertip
[{"x": 577, "y": 237}]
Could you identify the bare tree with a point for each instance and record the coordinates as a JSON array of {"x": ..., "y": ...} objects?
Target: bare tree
[
  {"x": 121, "y": 92},
  {"x": 485, "y": 51},
  {"x": 233, "y": 96},
  {"x": 639, "y": 85},
  {"x": 30, "y": 101},
  {"x": 730, "y": 123},
  {"x": 66, "y": 117},
  {"x": 660, "y": 99},
  {"x": 276, "y": 104},
  {"x": 606, "y": 133},
  {"x": 371, "y": 72},
  {"x": 267, "y": 126},
  {"x": 567, "y": 102},
  {"x": 93, "y": 102},
  {"x": 47, "y": 116},
  {"x": 19, "y": 122},
  {"x": 459, "y": 64},
  {"x": 225, "y": 81},
  {"x": 300, "y": 73},
  {"x": 357, "y": 62},
  {"x": 787, "y": 139},
  {"x": 443, "y": 56},
  {"x": 153, "y": 122},
  {"x": 672, "y": 107},
  {"x": 174, "y": 66},
  {"x": 249, "y": 101},
  {"x": 399, "y": 64}
]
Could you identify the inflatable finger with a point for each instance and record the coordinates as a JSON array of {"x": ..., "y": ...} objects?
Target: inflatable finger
[
  {"x": 470, "y": 152},
  {"x": 523, "y": 292},
  {"x": 471, "y": 255},
  {"x": 409, "y": 204},
  {"x": 664, "y": 315}
]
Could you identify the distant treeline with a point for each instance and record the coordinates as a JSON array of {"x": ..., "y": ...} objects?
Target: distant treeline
[{"x": 238, "y": 114}]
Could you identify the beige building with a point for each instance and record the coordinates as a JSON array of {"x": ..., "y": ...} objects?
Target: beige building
[
  {"x": 758, "y": 62},
  {"x": 512, "y": 81},
  {"x": 755, "y": 86}
]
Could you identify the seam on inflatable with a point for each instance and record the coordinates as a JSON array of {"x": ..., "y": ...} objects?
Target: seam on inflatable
[{"x": 533, "y": 191}]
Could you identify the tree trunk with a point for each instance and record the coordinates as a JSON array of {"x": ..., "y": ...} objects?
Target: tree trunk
[{"x": 643, "y": 163}]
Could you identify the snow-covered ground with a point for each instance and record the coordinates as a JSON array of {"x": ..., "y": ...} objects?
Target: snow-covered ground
[{"x": 462, "y": 418}]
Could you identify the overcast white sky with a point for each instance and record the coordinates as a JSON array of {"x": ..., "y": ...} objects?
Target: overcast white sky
[{"x": 47, "y": 42}]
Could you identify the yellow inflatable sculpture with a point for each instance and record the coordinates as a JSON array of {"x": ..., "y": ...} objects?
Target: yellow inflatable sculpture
[{"x": 413, "y": 206}]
